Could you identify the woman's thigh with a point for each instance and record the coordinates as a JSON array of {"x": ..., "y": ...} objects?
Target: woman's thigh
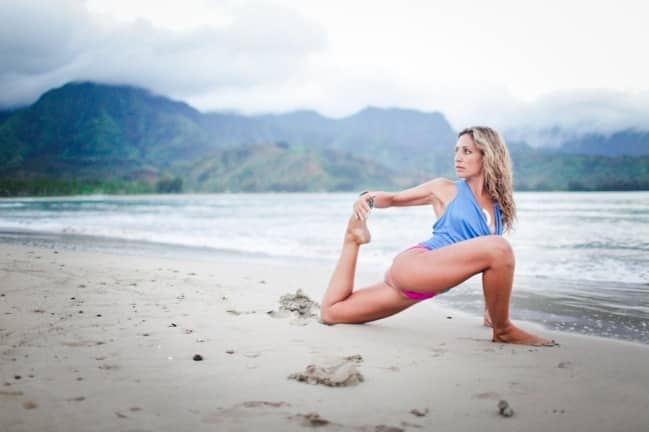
[{"x": 434, "y": 271}]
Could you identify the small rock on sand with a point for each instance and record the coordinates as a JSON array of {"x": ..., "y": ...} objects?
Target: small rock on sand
[
  {"x": 504, "y": 409},
  {"x": 312, "y": 419},
  {"x": 385, "y": 428},
  {"x": 419, "y": 413},
  {"x": 30, "y": 405},
  {"x": 198, "y": 357}
]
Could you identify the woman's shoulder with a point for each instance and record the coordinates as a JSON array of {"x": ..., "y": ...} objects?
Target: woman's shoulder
[{"x": 443, "y": 182}]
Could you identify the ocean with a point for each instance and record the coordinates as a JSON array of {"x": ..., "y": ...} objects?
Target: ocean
[{"x": 582, "y": 258}]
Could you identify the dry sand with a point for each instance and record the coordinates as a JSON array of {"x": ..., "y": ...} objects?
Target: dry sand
[{"x": 92, "y": 341}]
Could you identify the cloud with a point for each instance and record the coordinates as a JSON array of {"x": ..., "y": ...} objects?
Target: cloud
[
  {"x": 570, "y": 114},
  {"x": 600, "y": 110},
  {"x": 280, "y": 55},
  {"x": 551, "y": 118},
  {"x": 46, "y": 44}
]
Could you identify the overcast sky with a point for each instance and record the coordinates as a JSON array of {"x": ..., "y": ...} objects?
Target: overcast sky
[{"x": 510, "y": 63}]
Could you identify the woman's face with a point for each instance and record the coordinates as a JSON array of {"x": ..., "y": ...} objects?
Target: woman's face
[{"x": 468, "y": 159}]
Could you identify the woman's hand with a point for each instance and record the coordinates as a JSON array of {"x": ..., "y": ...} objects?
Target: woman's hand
[{"x": 363, "y": 206}]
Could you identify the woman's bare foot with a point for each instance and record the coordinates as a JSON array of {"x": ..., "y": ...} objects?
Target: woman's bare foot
[
  {"x": 514, "y": 335},
  {"x": 357, "y": 231}
]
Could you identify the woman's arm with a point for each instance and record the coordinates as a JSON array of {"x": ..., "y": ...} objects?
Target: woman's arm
[{"x": 424, "y": 194}]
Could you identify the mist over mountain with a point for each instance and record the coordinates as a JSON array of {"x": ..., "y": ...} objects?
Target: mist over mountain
[
  {"x": 88, "y": 133},
  {"x": 631, "y": 142}
]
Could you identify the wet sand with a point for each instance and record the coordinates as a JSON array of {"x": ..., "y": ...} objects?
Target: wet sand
[{"x": 94, "y": 341}]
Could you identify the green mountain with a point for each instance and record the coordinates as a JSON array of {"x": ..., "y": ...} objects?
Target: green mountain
[
  {"x": 537, "y": 169},
  {"x": 285, "y": 167},
  {"x": 91, "y": 130},
  {"x": 407, "y": 139},
  {"x": 88, "y": 137},
  {"x": 86, "y": 133},
  {"x": 4, "y": 115},
  {"x": 626, "y": 142}
]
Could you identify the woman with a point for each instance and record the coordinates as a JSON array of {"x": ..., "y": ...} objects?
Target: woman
[{"x": 472, "y": 213}]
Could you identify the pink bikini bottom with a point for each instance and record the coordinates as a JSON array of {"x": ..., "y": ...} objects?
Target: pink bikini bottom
[{"x": 417, "y": 296}]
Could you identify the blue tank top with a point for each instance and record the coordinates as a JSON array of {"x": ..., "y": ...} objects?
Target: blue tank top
[{"x": 462, "y": 219}]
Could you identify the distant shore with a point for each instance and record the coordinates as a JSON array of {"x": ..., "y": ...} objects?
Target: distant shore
[
  {"x": 44, "y": 188},
  {"x": 136, "y": 342}
]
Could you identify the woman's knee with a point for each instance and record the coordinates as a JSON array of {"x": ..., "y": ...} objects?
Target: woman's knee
[
  {"x": 327, "y": 315},
  {"x": 500, "y": 252}
]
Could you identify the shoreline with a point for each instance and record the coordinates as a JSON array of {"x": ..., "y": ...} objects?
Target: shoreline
[{"x": 110, "y": 340}]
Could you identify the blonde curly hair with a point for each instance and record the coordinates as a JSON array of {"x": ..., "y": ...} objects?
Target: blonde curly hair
[{"x": 497, "y": 170}]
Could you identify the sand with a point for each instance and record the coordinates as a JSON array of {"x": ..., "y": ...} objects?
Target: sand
[{"x": 92, "y": 341}]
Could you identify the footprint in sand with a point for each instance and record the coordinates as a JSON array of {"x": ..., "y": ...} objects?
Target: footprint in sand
[
  {"x": 242, "y": 410},
  {"x": 106, "y": 366},
  {"x": 384, "y": 428},
  {"x": 438, "y": 352},
  {"x": 520, "y": 388},
  {"x": 411, "y": 425},
  {"x": 237, "y": 313},
  {"x": 297, "y": 305},
  {"x": 257, "y": 404},
  {"x": 11, "y": 393},
  {"x": 487, "y": 395},
  {"x": 334, "y": 372},
  {"x": 76, "y": 399}
]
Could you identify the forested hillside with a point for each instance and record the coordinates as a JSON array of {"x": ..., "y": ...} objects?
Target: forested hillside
[{"x": 88, "y": 138}]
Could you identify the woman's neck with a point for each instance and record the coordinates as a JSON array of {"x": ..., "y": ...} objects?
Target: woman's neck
[{"x": 477, "y": 186}]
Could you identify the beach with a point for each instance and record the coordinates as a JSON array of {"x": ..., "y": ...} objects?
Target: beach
[
  {"x": 582, "y": 260},
  {"x": 108, "y": 341}
]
